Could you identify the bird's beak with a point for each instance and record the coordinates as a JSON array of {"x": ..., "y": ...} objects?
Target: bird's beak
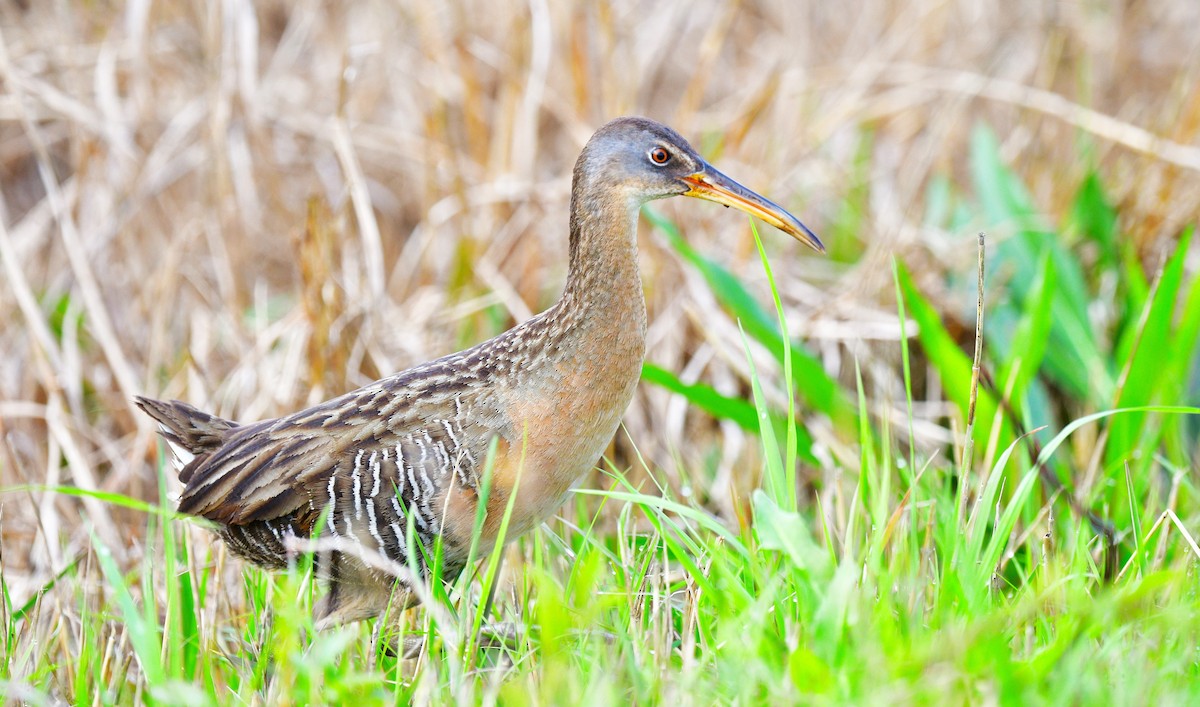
[{"x": 710, "y": 184}]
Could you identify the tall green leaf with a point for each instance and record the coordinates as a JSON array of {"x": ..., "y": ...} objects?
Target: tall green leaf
[
  {"x": 816, "y": 387},
  {"x": 1147, "y": 362},
  {"x": 1073, "y": 359},
  {"x": 1028, "y": 348}
]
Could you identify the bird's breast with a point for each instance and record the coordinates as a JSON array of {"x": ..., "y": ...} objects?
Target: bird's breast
[{"x": 559, "y": 425}]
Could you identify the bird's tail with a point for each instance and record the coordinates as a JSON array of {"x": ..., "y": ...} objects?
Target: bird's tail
[{"x": 189, "y": 431}]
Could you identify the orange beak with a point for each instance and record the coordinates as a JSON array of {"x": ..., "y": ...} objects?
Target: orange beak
[{"x": 712, "y": 185}]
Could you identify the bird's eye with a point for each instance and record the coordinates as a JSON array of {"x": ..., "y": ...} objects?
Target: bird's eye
[{"x": 660, "y": 156}]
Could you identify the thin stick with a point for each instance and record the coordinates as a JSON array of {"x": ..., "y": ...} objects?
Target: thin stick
[{"x": 969, "y": 442}]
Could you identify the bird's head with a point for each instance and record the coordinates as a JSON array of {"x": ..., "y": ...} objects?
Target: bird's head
[{"x": 648, "y": 160}]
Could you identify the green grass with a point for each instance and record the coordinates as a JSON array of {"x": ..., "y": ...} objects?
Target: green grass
[{"x": 927, "y": 582}]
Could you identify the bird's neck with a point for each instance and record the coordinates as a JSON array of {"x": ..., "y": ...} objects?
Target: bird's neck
[
  {"x": 602, "y": 303},
  {"x": 590, "y": 352}
]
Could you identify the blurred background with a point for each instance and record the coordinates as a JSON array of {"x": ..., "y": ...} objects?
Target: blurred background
[{"x": 253, "y": 207}]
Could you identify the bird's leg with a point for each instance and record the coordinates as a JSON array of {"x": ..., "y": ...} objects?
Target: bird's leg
[
  {"x": 344, "y": 604},
  {"x": 393, "y": 633},
  {"x": 503, "y": 634},
  {"x": 394, "y": 644}
]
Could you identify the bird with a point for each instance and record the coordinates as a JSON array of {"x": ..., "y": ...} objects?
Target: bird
[{"x": 389, "y": 470}]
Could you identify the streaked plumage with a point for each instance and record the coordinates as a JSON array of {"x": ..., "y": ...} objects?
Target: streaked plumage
[{"x": 411, "y": 448}]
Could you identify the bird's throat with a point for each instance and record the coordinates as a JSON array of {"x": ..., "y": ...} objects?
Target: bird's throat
[{"x": 602, "y": 303}]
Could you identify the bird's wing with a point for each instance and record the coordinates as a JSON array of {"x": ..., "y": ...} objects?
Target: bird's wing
[{"x": 336, "y": 454}]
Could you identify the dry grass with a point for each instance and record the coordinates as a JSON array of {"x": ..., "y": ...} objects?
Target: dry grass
[{"x": 255, "y": 207}]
